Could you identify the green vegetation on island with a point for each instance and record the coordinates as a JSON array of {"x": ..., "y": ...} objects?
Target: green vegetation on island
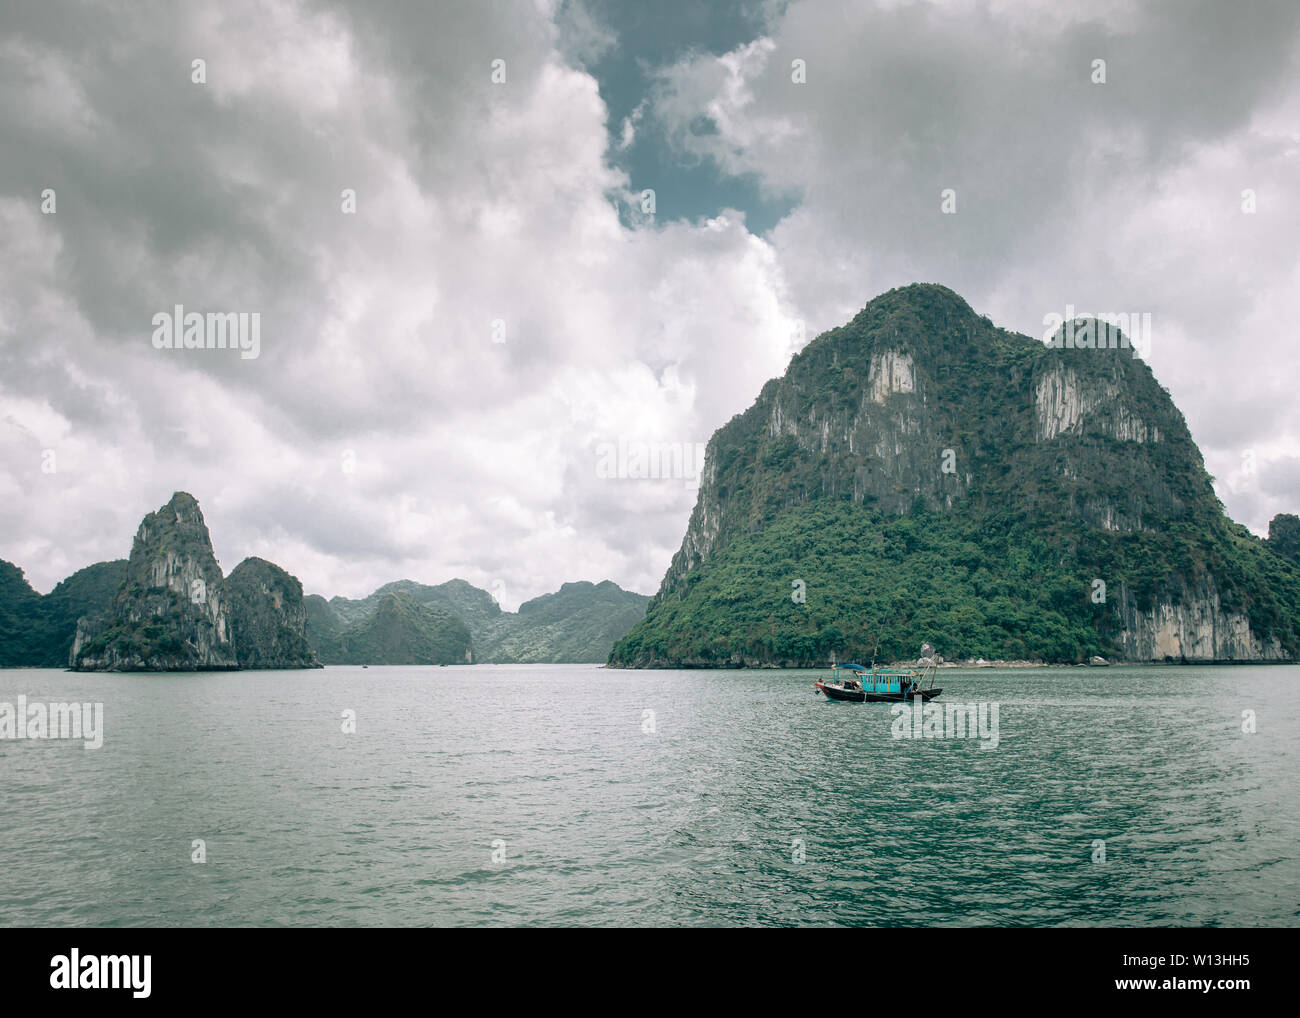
[{"x": 927, "y": 476}]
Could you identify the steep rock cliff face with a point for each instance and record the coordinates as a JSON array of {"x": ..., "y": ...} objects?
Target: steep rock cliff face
[
  {"x": 171, "y": 613},
  {"x": 1110, "y": 448},
  {"x": 1191, "y": 626},
  {"x": 1013, "y": 453},
  {"x": 1065, "y": 403},
  {"x": 268, "y": 617},
  {"x": 879, "y": 441}
]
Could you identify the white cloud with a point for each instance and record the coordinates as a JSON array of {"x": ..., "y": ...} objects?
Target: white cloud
[
  {"x": 475, "y": 202},
  {"x": 479, "y": 203}
]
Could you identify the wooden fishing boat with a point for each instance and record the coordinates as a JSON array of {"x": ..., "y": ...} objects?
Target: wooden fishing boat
[{"x": 878, "y": 685}]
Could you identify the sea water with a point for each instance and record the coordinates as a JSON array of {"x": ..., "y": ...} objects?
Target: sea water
[{"x": 578, "y": 795}]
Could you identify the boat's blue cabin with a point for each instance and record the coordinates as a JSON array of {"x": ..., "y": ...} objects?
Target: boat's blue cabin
[
  {"x": 880, "y": 680},
  {"x": 886, "y": 682}
]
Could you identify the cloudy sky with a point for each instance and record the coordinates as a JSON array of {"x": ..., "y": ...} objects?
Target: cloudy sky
[{"x": 442, "y": 370}]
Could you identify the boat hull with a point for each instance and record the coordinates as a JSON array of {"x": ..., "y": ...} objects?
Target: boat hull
[{"x": 834, "y": 692}]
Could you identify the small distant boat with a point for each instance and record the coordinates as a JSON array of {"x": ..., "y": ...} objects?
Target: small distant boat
[{"x": 878, "y": 685}]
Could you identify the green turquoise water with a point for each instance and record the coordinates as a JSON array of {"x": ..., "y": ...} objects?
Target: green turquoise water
[{"x": 546, "y": 794}]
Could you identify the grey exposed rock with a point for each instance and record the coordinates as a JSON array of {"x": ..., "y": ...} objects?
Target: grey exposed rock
[
  {"x": 174, "y": 612},
  {"x": 171, "y": 613},
  {"x": 268, "y": 618}
]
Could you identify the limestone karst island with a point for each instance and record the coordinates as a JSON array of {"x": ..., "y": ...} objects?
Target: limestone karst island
[{"x": 921, "y": 475}]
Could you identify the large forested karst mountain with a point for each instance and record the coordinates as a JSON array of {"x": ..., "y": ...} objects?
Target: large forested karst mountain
[{"x": 922, "y": 475}]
